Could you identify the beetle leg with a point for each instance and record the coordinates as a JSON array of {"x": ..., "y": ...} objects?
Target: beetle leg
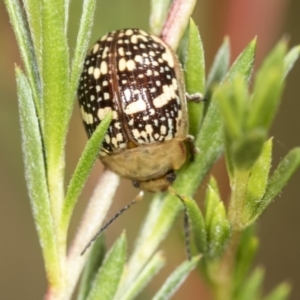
[
  {"x": 197, "y": 97},
  {"x": 190, "y": 140}
]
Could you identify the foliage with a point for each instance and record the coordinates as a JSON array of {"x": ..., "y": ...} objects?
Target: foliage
[{"x": 234, "y": 119}]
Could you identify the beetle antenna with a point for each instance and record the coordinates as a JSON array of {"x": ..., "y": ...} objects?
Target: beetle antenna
[
  {"x": 186, "y": 224},
  {"x": 116, "y": 216}
]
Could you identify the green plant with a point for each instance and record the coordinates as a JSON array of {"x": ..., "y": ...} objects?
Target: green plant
[{"x": 233, "y": 119}]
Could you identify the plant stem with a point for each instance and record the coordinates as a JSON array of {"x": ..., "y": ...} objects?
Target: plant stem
[
  {"x": 224, "y": 278},
  {"x": 177, "y": 21},
  {"x": 92, "y": 219}
]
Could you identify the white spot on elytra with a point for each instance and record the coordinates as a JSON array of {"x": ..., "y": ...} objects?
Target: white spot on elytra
[
  {"x": 149, "y": 129},
  {"x": 96, "y": 73},
  {"x": 122, "y": 64},
  {"x": 138, "y": 58},
  {"x": 119, "y": 137},
  {"x": 88, "y": 118},
  {"x": 135, "y": 133},
  {"x": 151, "y": 111},
  {"x": 121, "y": 51},
  {"x": 135, "y": 107},
  {"x": 118, "y": 125},
  {"x": 105, "y": 52},
  {"x": 130, "y": 123},
  {"x": 167, "y": 94},
  {"x": 90, "y": 70},
  {"x": 114, "y": 142},
  {"x": 127, "y": 94},
  {"x": 103, "y": 67},
  {"x": 129, "y": 32},
  {"x": 130, "y": 64},
  {"x": 104, "y": 37},
  {"x": 163, "y": 129},
  {"x": 107, "y": 139},
  {"x": 102, "y": 112},
  {"x": 143, "y": 32}
]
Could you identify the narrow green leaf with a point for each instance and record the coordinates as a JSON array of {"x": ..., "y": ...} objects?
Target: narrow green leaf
[
  {"x": 218, "y": 232},
  {"x": 82, "y": 171},
  {"x": 83, "y": 38},
  {"x": 252, "y": 286},
  {"x": 246, "y": 150},
  {"x": 197, "y": 223},
  {"x": 212, "y": 200},
  {"x": 194, "y": 74},
  {"x": 107, "y": 279},
  {"x": 243, "y": 65},
  {"x": 55, "y": 92},
  {"x": 33, "y": 10},
  {"x": 36, "y": 178},
  {"x": 219, "y": 67},
  {"x": 159, "y": 11},
  {"x": 290, "y": 59},
  {"x": 285, "y": 170},
  {"x": 26, "y": 48},
  {"x": 247, "y": 249},
  {"x": 258, "y": 181},
  {"x": 176, "y": 279},
  {"x": 281, "y": 292},
  {"x": 94, "y": 262},
  {"x": 267, "y": 89},
  {"x": 241, "y": 68},
  {"x": 67, "y": 12},
  {"x": 147, "y": 273},
  {"x": 232, "y": 98}
]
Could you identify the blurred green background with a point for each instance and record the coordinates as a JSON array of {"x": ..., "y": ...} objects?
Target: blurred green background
[{"x": 21, "y": 265}]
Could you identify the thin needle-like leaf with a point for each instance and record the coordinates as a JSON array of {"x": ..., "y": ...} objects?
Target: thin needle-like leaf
[
  {"x": 285, "y": 170},
  {"x": 290, "y": 59},
  {"x": 194, "y": 74},
  {"x": 55, "y": 94},
  {"x": 149, "y": 271},
  {"x": 33, "y": 10},
  {"x": 82, "y": 171},
  {"x": 175, "y": 279},
  {"x": 219, "y": 67},
  {"x": 36, "y": 178},
  {"x": 92, "y": 265},
  {"x": 27, "y": 51},
  {"x": 107, "y": 279},
  {"x": 83, "y": 38}
]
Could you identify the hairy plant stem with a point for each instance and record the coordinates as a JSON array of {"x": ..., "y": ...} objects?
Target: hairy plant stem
[
  {"x": 177, "y": 21},
  {"x": 224, "y": 276}
]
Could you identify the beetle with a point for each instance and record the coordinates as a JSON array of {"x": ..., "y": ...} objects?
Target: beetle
[{"x": 137, "y": 77}]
